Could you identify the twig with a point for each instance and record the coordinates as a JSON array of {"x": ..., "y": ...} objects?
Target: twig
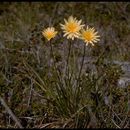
[
  {"x": 10, "y": 113},
  {"x": 123, "y": 122},
  {"x": 116, "y": 124}
]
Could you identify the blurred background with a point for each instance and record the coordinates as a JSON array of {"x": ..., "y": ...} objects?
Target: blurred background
[{"x": 21, "y": 24}]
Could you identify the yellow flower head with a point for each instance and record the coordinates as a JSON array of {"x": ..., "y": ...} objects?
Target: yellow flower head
[
  {"x": 72, "y": 27},
  {"x": 89, "y": 36},
  {"x": 49, "y": 33}
]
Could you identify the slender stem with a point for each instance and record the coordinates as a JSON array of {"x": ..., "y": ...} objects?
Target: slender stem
[
  {"x": 82, "y": 63},
  {"x": 72, "y": 66},
  {"x": 67, "y": 65},
  {"x": 54, "y": 60},
  {"x": 77, "y": 89},
  {"x": 30, "y": 94},
  {"x": 57, "y": 5}
]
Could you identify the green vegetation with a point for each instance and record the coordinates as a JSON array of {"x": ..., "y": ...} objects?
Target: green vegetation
[{"x": 34, "y": 84}]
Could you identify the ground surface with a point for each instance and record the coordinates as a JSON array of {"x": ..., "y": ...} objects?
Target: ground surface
[{"x": 29, "y": 84}]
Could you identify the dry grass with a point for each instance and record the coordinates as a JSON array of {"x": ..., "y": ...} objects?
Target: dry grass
[{"x": 39, "y": 93}]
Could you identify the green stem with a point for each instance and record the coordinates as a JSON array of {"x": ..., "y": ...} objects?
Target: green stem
[
  {"x": 52, "y": 53},
  {"x": 81, "y": 64},
  {"x": 77, "y": 89},
  {"x": 67, "y": 64}
]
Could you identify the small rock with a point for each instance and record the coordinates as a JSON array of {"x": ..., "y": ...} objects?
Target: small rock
[{"x": 123, "y": 82}]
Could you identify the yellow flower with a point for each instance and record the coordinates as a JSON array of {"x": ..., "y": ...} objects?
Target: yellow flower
[
  {"x": 72, "y": 28},
  {"x": 89, "y": 36},
  {"x": 49, "y": 33}
]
